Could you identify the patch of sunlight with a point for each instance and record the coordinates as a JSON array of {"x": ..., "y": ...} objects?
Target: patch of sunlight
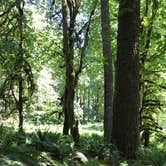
[
  {"x": 58, "y": 128},
  {"x": 124, "y": 164},
  {"x": 90, "y": 132},
  {"x": 91, "y": 128},
  {"x": 50, "y": 128},
  {"x": 48, "y": 160}
]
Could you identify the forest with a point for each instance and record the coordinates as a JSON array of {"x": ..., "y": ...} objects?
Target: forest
[{"x": 82, "y": 83}]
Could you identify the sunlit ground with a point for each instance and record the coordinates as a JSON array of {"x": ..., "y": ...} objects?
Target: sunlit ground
[
  {"x": 88, "y": 129},
  {"x": 95, "y": 128}
]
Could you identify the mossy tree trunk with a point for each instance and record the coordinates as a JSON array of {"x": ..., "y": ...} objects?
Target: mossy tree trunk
[{"x": 70, "y": 10}]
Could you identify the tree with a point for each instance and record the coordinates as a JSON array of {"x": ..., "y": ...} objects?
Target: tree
[
  {"x": 71, "y": 38},
  {"x": 17, "y": 85},
  {"x": 126, "y": 98},
  {"x": 151, "y": 70},
  {"x": 20, "y": 6},
  {"x": 68, "y": 50},
  {"x": 108, "y": 74}
]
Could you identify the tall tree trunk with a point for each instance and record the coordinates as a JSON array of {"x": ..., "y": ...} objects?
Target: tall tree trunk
[
  {"x": 70, "y": 34},
  {"x": 108, "y": 75},
  {"x": 68, "y": 49},
  {"x": 126, "y": 98},
  {"x": 20, "y": 5}
]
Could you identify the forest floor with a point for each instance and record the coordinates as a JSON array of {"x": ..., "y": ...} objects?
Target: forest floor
[{"x": 43, "y": 145}]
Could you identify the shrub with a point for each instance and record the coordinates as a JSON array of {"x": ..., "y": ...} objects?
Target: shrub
[
  {"x": 152, "y": 156},
  {"x": 7, "y": 139},
  {"x": 57, "y": 145}
]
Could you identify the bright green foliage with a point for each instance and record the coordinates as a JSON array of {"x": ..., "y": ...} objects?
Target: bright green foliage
[
  {"x": 153, "y": 68},
  {"x": 13, "y": 64}
]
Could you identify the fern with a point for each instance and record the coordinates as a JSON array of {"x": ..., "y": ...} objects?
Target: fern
[{"x": 153, "y": 156}]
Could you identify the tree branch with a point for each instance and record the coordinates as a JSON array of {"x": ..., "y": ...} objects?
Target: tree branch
[
  {"x": 9, "y": 9},
  {"x": 85, "y": 44}
]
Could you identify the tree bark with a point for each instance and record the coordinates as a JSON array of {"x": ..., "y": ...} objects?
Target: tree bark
[
  {"x": 108, "y": 74},
  {"x": 126, "y": 98}
]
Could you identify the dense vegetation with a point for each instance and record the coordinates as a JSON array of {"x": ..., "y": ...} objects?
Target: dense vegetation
[{"x": 82, "y": 82}]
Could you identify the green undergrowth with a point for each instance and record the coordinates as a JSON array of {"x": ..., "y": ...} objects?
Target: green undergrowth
[{"x": 53, "y": 149}]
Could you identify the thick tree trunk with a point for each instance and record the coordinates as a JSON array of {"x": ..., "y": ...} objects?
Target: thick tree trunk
[
  {"x": 126, "y": 97},
  {"x": 108, "y": 75}
]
